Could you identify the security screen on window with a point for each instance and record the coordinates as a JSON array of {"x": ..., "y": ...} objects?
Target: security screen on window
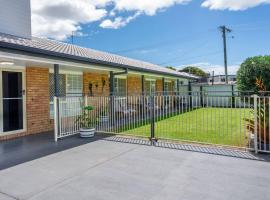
[
  {"x": 69, "y": 85},
  {"x": 120, "y": 87},
  {"x": 150, "y": 87}
]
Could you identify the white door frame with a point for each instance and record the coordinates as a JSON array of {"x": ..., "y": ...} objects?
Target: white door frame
[{"x": 13, "y": 69}]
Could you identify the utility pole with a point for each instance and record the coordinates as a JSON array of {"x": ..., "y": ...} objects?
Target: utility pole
[
  {"x": 73, "y": 35},
  {"x": 224, "y": 30},
  {"x": 213, "y": 77}
]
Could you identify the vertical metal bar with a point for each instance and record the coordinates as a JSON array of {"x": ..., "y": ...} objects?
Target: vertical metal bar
[
  {"x": 268, "y": 122},
  {"x": 201, "y": 95},
  {"x": 190, "y": 93},
  {"x": 163, "y": 86},
  {"x": 244, "y": 121},
  {"x": 233, "y": 97},
  {"x": 152, "y": 116},
  {"x": 56, "y": 118},
  {"x": 56, "y": 81},
  {"x": 177, "y": 86},
  {"x": 112, "y": 99},
  {"x": 259, "y": 124},
  {"x": 143, "y": 84},
  {"x": 264, "y": 123},
  {"x": 67, "y": 113},
  {"x": 255, "y": 123}
]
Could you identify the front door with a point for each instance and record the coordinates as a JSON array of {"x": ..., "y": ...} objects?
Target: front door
[{"x": 12, "y": 101}]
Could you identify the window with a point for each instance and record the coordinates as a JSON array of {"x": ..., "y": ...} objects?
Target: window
[
  {"x": 70, "y": 85},
  {"x": 120, "y": 86},
  {"x": 150, "y": 87},
  {"x": 74, "y": 84},
  {"x": 175, "y": 87},
  {"x": 222, "y": 79},
  {"x": 166, "y": 87}
]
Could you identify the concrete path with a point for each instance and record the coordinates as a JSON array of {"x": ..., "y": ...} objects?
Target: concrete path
[{"x": 115, "y": 171}]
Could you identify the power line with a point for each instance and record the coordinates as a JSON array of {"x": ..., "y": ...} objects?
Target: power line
[
  {"x": 191, "y": 58},
  {"x": 167, "y": 42},
  {"x": 188, "y": 51},
  {"x": 252, "y": 29},
  {"x": 256, "y": 23}
]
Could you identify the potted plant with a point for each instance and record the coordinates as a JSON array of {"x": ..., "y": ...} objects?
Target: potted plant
[{"x": 87, "y": 122}]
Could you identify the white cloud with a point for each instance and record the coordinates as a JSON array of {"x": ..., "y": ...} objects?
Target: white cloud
[
  {"x": 233, "y": 5},
  {"x": 59, "y": 18},
  {"x": 118, "y": 22},
  {"x": 149, "y": 7},
  {"x": 209, "y": 68}
]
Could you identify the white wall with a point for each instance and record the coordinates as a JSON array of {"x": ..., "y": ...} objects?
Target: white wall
[{"x": 15, "y": 17}]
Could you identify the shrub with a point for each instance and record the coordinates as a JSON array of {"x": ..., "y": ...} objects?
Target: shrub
[{"x": 252, "y": 69}]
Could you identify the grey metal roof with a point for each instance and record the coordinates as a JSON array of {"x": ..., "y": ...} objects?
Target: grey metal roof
[{"x": 56, "y": 48}]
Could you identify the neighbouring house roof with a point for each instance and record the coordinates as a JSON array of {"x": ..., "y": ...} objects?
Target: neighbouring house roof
[
  {"x": 229, "y": 75},
  {"x": 63, "y": 50}
]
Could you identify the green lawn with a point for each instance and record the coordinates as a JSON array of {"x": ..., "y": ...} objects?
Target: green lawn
[{"x": 224, "y": 126}]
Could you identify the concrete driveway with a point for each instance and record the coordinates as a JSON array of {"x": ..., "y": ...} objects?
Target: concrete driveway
[{"x": 115, "y": 171}]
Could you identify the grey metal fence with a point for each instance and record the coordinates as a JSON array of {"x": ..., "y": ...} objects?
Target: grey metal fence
[{"x": 238, "y": 120}]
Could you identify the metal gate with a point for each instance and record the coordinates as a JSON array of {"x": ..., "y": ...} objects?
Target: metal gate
[{"x": 219, "y": 118}]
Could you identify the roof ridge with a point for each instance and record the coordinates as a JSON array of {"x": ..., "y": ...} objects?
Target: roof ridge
[
  {"x": 112, "y": 54},
  {"x": 98, "y": 51},
  {"x": 56, "y": 46}
]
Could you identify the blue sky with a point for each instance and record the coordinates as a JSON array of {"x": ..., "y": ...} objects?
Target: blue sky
[{"x": 179, "y": 34}]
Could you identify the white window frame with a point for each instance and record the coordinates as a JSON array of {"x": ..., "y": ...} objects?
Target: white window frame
[
  {"x": 116, "y": 85},
  {"x": 167, "y": 86},
  {"x": 66, "y": 73},
  {"x": 152, "y": 83}
]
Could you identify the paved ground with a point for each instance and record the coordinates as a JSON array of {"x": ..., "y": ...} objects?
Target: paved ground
[
  {"x": 24, "y": 149},
  {"x": 111, "y": 170}
]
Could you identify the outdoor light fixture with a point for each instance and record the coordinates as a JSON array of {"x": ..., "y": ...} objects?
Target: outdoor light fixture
[{"x": 6, "y": 63}]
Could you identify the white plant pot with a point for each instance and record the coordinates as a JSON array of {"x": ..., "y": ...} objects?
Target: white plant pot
[{"x": 87, "y": 132}]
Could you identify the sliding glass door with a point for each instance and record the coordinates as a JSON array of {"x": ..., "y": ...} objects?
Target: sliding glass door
[{"x": 12, "y": 101}]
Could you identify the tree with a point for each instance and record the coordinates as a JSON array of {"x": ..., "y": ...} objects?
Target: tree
[
  {"x": 170, "y": 67},
  {"x": 195, "y": 71},
  {"x": 251, "y": 70}
]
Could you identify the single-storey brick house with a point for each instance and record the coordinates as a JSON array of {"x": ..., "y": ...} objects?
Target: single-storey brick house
[{"x": 34, "y": 70}]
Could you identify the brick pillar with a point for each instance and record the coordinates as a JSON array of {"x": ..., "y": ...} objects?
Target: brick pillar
[
  {"x": 159, "y": 86},
  {"x": 37, "y": 100},
  {"x": 134, "y": 85}
]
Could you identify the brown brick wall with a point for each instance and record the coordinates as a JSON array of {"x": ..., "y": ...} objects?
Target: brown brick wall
[
  {"x": 134, "y": 85},
  {"x": 12, "y": 136},
  {"x": 96, "y": 80},
  {"x": 37, "y": 100},
  {"x": 159, "y": 85}
]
